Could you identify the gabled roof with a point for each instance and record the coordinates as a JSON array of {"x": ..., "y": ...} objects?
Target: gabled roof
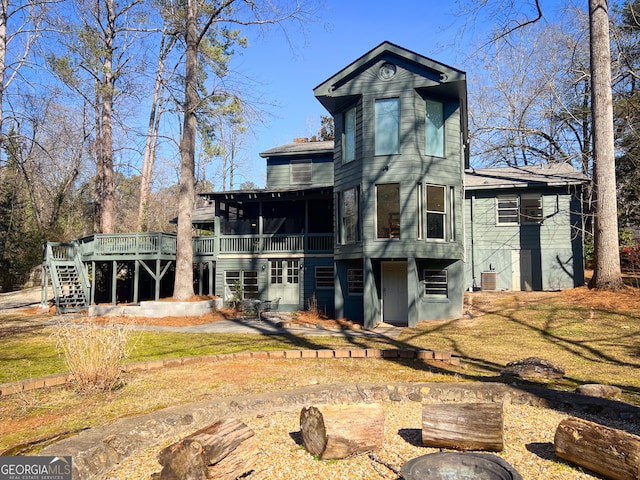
[
  {"x": 551, "y": 175},
  {"x": 300, "y": 148},
  {"x": 447, "y": 78}
]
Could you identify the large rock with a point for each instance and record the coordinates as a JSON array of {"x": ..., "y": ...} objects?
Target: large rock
[
  {"x": 533, "y": 368},
  {"x": 598, "y": 390}
]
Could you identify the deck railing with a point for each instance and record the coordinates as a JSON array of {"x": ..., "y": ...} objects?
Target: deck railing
[{"x": 133, "y": 244}]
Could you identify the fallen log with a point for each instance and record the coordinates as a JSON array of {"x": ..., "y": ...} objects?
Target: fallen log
[
  {"x": 339, "y": 431},
  {"x": 613, "y": 453},
  {"x": 463, "y": 426},
  {"x": 223, "y": 450}
]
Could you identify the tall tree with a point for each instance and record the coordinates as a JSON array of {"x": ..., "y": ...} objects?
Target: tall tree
[
  {"x": 199, "y": 20},
  {"x": 99, "y": 38},
  {"x": 167, "y": 42},
  {"x": 607, "y": 274}
]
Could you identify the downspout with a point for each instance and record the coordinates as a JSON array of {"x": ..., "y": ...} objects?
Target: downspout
[{"x": 473, "y": 257}]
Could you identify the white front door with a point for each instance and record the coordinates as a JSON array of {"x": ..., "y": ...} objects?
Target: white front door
[
  {"x": 284, "y": 281},
  {"x": 395, "y": 308}
]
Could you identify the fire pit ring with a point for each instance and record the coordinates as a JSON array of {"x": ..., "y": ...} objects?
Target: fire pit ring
[{"x": 458, "y": 466}]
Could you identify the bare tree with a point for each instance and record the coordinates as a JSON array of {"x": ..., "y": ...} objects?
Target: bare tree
[
  {"x": 28, "y": 16},
  {"x": 607, "y": 273},
  {"x": 529, "y": 109},
  {"x": 167, "y": 42},
  {"x": 98, "y": 39},
  {"x": 200, "y": 19}
]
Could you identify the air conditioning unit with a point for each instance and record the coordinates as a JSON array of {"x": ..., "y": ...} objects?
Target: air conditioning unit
[{"x": 489, "y": 280}]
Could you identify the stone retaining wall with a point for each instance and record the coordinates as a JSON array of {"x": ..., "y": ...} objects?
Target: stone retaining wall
[
  {"x": 419, "y": 355},
  {"x": 154, "y": 309},
  {"x": 100, "y": 449}
]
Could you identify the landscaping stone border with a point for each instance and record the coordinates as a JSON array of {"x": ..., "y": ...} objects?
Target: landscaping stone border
[
  {"x": 98, "y": 450},
  {"x": 153, "y": 309},
  {"x": 420, "y": 355}
]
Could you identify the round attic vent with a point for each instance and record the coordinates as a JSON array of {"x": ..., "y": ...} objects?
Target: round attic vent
[{"x": 387, "y": 71}]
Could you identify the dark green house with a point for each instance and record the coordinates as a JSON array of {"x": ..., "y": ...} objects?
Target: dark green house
[{"x": 389, "y": 192}]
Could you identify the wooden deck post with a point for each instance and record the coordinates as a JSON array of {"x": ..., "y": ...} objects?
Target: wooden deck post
[{"x": 114, "y": 282}]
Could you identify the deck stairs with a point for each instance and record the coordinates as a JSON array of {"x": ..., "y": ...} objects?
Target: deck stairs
[{"x": 69, "y": 278}]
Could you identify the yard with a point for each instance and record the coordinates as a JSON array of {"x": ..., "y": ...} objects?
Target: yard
[{"x": 594, "y": 336}]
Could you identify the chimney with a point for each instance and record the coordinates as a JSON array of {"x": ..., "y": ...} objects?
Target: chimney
[{"x": 300, "y": 140}]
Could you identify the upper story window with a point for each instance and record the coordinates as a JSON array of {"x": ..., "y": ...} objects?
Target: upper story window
[
  {"x": 388, "y": 210},
  {"x": 301, "y": 172},
  {"x": 387, "y": 134},
  {"x": 436, "y": 212},
  {"x": 434, "y": 128},
  {"x": 507, "y": 209},
  {"x": 530, "y": 208},
  {"x": 515, "y": 210},
  {"x": 349, "y": 136},
  {"x": 349, "y": 228}
]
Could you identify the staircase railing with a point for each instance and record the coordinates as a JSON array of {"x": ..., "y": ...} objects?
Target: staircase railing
[{"x": 71, "y": 288}]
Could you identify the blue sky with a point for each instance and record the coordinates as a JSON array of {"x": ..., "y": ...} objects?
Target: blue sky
[{"x": 344, "y": 31}]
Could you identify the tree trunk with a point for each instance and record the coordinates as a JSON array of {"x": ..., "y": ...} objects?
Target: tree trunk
[
  {"x": 152, "y": 137},
  {"x": 224, "y": 450},
  {"x": 607, "y": 274},
  {"x": 108, "y": 201},
  {"x": 615, "y": 454},
  {"x": 183, "y": 285},
  {"x": 339, "y": 431},
  {"x": 4, "y": 16},
  {"x": 466, "y": 426}
]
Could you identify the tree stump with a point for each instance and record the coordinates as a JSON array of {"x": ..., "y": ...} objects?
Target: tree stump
[
  {"x": 463, "y": 426},
  {"x": 223, "y": 450},
  {"x": 339, "y": 431},
  {"x": 615, "y": 454}
]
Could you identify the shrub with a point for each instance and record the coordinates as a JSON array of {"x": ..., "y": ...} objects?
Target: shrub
[{"x": 93, "y": 353}]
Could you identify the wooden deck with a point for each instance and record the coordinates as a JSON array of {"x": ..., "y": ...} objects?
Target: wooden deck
[
  {"x": 132, "y": 246},
  {"x": 72, "y": 266}
]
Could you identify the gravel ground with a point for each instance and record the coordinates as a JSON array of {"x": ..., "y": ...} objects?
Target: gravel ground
[{"x": 528, "y": 438}]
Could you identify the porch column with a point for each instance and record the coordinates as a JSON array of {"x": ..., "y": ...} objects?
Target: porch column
[
  {"x": 413, "y": 292},
  {"x": 136, "y": 281},
  {"x": 157, "y": 279},
  {"x": 114, "y": 282},
  {"x": 370, "y": 299}
]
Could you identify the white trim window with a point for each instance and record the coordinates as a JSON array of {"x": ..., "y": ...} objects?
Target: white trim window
[
  {"x": 519, "y": 209},
  {"x": 436, "y": 212},
  {"x": 507, "y": 209},
  {"x": 247, "y": 279},
  {"x": 531, "y": 208}
]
